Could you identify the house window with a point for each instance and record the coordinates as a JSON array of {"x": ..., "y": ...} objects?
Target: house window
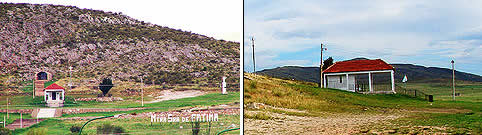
[{"x": 341, "y": 79}]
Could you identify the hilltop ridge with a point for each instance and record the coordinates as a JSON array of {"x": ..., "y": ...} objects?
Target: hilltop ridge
[
  {"x": 97, "y": 44},
  {"x": 415, "y": 73}
]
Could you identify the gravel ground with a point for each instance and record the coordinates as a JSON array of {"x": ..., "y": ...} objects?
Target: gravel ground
[{"x": 333, "y": 124}]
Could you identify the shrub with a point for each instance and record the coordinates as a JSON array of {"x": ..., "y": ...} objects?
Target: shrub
[
  {"x": 75, "y": 129},
  {"x": 37, "y": 131},
  {"x": 109, "y": 129},
  {"x": 196, "y": 128},
  {"x": 258, "y": 116},
  {"x": 5, "y": 131},
  {"x": 252, "y": 85}
]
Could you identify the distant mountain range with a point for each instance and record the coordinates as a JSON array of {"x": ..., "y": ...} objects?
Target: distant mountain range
[
  {"x": 98, "y": 44},
  {"x": 414, "y": 73}
]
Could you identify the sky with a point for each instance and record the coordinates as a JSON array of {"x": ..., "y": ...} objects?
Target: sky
[
  {"x": 221, "y": 19},
  {"x": 428, "y": 33}
]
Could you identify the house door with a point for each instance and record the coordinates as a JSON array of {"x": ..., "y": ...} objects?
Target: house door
[{"x": 54, "y": 95}]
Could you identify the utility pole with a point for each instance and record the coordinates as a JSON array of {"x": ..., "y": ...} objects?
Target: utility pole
[
  {"x": 70, "y": 76},
  {"x": 453, "y": 79},
  {"x": 142, "y": 92},
  {"x": 254, "y": 60},
  {"x": 321, "y": 65},
  {"x": 33, "y": 87}
]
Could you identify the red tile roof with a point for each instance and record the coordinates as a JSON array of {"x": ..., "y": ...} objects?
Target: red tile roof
[
  {"x": 358, "y": 65},
  {"x": 54, "y": 86}
]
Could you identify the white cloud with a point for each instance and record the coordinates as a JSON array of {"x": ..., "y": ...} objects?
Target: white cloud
[{"x": 396, "y": 31}]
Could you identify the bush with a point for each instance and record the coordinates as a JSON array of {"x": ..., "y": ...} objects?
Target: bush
[
  {"x": 109, "y": 129},
  {"x": 37, "y": 131},
  {"x": 253, "y": 85},
  {"x": 196, "y": 128},
  {"x": 5, "y": 131},
  {"x": 75, "y": 129}
]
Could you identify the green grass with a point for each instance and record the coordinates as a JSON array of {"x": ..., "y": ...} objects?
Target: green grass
[
  {"x": 468, "y": 92},
  {"x": 48, "y": 83},
  {"x": 140, "y": 125},
  {"x": 26, "y": 102},
  {"x": 13, "y": 116},
  {"x": 204, "y": 100},
  {"x": 319, "y": 102},
  {"x": 134, "y": 126}
]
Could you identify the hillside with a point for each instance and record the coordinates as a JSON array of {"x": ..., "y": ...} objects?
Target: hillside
[
  {"x": 99, "y": 44},
  {"x": 414, "y": 73},
  {"x": 274, "y": 105}
]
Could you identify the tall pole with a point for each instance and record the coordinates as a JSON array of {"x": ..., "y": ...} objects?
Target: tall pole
[
  {"x": 70, "y": 76},
  {"x": 7, "y": 105},
  {"x": 142, "y": 92},
  {"x": 453, "y": 79},
  {"x": 33, "y": 87},
  {"x": 21, "y": 121},
  {"x": 254, "y": 60},
  {"x": 321, "y": 65}
]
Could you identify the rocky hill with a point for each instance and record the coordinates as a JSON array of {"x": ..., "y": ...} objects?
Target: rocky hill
[
  {"x": 414, "y": 73},
  {"x": 100, "y": 44}
]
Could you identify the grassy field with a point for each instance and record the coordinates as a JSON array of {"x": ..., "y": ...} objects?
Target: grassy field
[
  {"x": 443, "y": 91},
  {"x": 459, "y": 116},
  {"x": 27, "y": 102},
  {"x": 135, "y": 126}
]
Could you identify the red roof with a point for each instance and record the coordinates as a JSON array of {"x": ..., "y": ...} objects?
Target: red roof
[
  {"x": 54, "y": 86},
  {"x": 358, "y": 65}
]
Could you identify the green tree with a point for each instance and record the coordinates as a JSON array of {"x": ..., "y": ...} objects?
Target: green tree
[{"x": 327, "y": 63}]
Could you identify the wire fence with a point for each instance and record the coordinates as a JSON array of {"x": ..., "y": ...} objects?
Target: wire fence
[{"x": 413, "y": 93}]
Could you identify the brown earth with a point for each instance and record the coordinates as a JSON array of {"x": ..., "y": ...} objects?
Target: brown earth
[
  {"x": 171, "y": 95},
  {"x": 332, "y": 124}
]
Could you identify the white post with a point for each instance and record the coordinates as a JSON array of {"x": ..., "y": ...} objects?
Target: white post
[
  {"x": 370, "y": 81},
  {"x": 347, "y": 85},
  {"x": 63, "y": 95},
  {"x": 4, "y": 121},
  {"x": 21, "y": 121},
  {"x": 324, "y": 81},
  {"x": 142, "y": 91},
  {"x": 224, "y": 86},
  {"x": 7, "y": 107},
  {"x": 33, "y": 87},
  {"x": 393, "y": 81}
]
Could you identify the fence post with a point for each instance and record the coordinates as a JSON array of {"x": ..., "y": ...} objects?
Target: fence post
[
  {"x": 415, "y": 93},
  {"x": 21, "y": 122}
]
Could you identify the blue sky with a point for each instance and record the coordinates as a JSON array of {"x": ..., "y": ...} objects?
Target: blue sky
[{"x": 428, "y": 33}]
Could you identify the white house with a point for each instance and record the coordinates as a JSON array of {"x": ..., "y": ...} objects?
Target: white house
[
  {"x": 365, "y": 76},
  {"x": 54, "y": 95}
]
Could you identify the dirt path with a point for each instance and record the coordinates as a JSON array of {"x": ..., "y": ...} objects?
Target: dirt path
[
  {"x": 171, "y": 94},
  {"x": 287, "y": 124}
]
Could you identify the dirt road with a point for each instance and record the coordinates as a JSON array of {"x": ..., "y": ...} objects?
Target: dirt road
[
  {"x": 171, "y": 94},
  {"x": 333, "y": 124}
]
